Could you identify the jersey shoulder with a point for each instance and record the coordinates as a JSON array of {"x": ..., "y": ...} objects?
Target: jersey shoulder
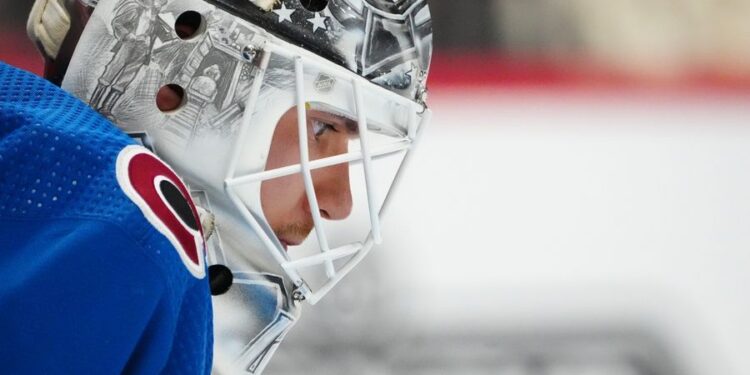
[
  {"x": 61, "y": 159},
  {"x": 86, "y": 215},
  {"x": 57, "y": 154}
]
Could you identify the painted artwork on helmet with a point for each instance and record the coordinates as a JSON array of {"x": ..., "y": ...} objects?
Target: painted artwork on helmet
[{"x": 144, "y": 52}]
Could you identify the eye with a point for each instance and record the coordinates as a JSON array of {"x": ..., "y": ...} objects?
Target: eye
[{"x": 320, "y": 128}]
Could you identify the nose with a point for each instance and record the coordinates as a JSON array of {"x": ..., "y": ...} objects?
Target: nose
[{"x": 333, "y": 191}]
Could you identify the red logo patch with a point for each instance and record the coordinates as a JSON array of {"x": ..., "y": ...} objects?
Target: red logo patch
[{"x": 165, "y": 202}]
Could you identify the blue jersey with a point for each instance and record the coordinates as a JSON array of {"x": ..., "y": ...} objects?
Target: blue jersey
[{"x": 102, "y": 264}]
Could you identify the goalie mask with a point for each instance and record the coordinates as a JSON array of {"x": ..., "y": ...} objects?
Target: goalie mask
[{"x": 293, "y": 124}]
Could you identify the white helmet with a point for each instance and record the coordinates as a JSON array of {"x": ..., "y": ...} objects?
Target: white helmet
[
  {"x": 240, "y": 67},
  {"x": 291, "y": 112}
]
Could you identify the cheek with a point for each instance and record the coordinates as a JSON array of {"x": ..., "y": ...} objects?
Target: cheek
[
  {"x": 283, "y": 153},
  {"x": 284, "y": 149},
  {"x": 283, "y": 199}
]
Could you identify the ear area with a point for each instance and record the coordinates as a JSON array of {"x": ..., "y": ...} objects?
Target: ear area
[{"x": 48, "y": 25}]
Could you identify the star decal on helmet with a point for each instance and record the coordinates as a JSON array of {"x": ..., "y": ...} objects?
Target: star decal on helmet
[
  {"x": 318, "y": 22},
  {"x": 284, "y": 13}
]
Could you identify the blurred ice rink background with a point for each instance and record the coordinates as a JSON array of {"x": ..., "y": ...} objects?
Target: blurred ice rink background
[
  {"x": 544, "y": 234},
  {"x": 579, "y": 206}
]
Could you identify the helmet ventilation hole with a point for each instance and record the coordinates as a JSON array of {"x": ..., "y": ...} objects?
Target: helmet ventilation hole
[
  {"x": 170, "y": 98},
  {"x": 189, "y": 24},
  {"x": 314, "y": 5}
]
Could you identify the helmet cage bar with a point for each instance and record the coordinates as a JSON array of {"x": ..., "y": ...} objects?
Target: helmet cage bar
[
  {"x": 367, "y": 162},
  {"x": 356, "y": 251},
  {"x": 304, "y": 154},
  {"x": 352, "y": 157},
  {"x": 247, "y": 117},
  {"x": 331, "y": 255}
]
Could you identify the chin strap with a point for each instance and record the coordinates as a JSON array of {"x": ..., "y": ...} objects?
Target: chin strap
[{"x": 48, "y": 24}]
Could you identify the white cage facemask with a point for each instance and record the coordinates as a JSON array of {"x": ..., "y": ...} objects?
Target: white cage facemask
[{"x": 345, "y": 128}]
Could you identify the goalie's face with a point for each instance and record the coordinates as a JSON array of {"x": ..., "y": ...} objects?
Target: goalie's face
[{"x": 284, "y": 200}]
